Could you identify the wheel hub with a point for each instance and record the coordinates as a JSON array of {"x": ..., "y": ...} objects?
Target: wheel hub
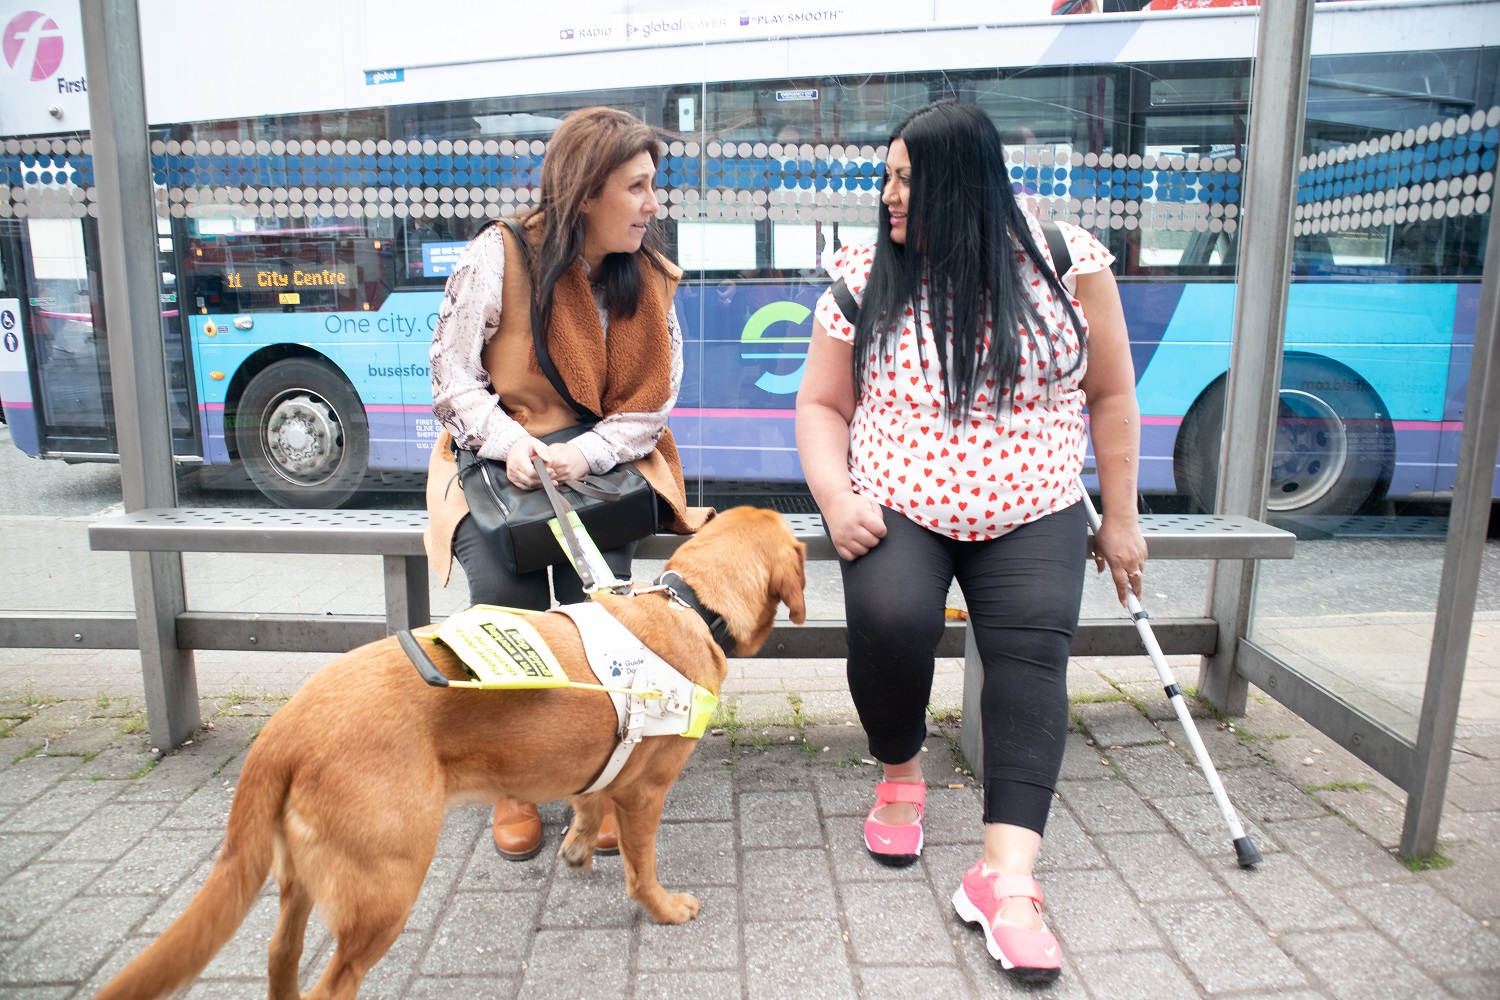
[
  {"x": 1312, "y": 448},
  {"x": 303, "y": 438}
]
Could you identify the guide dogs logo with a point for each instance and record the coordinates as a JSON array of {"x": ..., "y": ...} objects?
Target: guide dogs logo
[{"x": 33, "y": 43}]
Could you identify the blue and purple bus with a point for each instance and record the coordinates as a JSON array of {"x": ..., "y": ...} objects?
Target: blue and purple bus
[{"x": 303, "y": 252}]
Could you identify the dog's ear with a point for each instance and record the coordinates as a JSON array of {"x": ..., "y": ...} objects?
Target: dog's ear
[{"x": 789, "y": 579}]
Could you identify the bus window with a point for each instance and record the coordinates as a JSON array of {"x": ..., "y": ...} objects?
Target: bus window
[
  {"x": 288, "y": 265},
  {"x": 430, "y": 247},
  {"x": 716, "y": 246},
  {"x": 71, "y": 356}
]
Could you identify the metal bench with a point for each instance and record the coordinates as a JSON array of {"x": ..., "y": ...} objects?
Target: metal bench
[{"x": 396, "y": 536}]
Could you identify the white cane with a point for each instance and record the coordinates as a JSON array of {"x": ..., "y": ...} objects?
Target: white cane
[{"x": 1244, "y": 848}]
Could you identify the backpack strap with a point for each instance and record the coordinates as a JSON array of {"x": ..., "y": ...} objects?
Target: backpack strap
[
  {"x": 1057, "y": 245},
  {"x": 845, "y": 300}
]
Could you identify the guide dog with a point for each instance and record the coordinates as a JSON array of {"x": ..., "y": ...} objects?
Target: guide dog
[{"x": 342, "y": 795}]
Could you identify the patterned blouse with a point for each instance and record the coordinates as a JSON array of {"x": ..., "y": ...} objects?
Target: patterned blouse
[
  {"x": 461, "y": 395},
  {"x": 978, "y": 476}
]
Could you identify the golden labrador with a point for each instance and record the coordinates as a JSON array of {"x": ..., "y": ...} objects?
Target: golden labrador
[{"x": 344, "y": 791}]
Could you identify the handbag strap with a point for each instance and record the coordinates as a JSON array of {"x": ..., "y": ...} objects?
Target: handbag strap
[
  {"x": 593, "y": 575},
  {"x": 539, "y": 336},
  {"x": 846, "y": 303}
]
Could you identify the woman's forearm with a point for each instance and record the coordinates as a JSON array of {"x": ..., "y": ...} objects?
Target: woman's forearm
[
  {"x": 823, "y": 444},
  {"x": 1114, "y": 427}
]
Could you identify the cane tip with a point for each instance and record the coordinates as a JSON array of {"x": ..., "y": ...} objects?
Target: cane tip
[{"x": 1245, "y": 852}]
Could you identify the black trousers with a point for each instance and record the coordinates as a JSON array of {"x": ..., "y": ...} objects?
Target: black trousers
[
  {"x": 1022, "y": 590},
  {"x": 490, "y": 582}
]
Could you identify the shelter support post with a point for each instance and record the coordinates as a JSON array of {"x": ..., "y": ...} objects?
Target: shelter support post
[
  {"x": 1278, "y": 101},
  {"x": 1468, "y": 524},
  {"x": 132, "y": 316}
]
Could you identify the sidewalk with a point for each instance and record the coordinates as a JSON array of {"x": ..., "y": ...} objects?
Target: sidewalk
[{"x": 99, "y": 850}]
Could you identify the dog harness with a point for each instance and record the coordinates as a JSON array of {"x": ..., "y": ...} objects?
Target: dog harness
[
  {"x": 502, "y": 651},
  {"x": 651, "y": 697}
]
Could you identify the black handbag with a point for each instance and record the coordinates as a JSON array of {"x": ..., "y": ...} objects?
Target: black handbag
[{"x": 616, "y": 507}]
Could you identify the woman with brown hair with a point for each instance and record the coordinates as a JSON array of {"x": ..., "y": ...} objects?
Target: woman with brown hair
[{"x": 593, "y": 276}]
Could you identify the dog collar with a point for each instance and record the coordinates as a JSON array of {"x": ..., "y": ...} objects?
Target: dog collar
[{"x": 682, "y": 592}]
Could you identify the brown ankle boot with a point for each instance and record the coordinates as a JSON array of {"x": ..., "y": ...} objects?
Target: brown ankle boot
[
  {"x": 608, "y": 841},
  {"x": 517, "y": 829}
]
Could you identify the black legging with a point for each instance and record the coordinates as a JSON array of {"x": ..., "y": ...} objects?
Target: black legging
[
  {"x": 1023, "y": 591},
  {"x": 491, "y": 583}
]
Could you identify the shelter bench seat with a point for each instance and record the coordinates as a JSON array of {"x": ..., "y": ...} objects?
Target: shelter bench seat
[{"x": 396, "y": 536}]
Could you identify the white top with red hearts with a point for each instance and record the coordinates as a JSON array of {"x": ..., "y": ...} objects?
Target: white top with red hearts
[{"x": 977, "y": 476}]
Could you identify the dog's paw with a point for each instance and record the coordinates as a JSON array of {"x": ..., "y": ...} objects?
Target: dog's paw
[
  {"x": 577, "y": 852},
  {"x": 675, "y": 908}
]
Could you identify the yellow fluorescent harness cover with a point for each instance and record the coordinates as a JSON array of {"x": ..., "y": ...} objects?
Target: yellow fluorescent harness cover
[{"x": 502, "y": 651}]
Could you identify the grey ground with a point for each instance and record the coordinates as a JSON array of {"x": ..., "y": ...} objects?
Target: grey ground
[{"x": 99, "y": 849}]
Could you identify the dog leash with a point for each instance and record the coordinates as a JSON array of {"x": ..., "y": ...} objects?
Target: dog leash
[{"x": 588, "y": 562}]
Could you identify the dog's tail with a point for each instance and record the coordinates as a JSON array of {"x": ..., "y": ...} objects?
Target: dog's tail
[{"x": 213, "y": 915}]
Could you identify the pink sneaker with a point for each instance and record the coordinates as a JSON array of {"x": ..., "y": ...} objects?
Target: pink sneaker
[
  {"x": 897, "y": 845},
  {"x": 1030, "y": 956}
]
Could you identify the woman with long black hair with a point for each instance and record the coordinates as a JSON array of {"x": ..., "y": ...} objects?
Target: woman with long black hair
[{"x": 935, "y": 457}]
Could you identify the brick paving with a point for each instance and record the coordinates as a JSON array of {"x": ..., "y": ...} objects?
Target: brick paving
[{"x": 103, "y": 842}]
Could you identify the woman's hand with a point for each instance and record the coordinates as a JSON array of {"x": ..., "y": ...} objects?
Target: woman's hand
[
  {"x": 1120, "y": 545},
  {"x": 564, "y": 461},
  {"x": 855, "y": 524},
  {"x": 518, "y": 467}
]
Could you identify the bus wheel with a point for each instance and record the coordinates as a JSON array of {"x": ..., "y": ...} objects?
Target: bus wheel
[
  {"x": 302, "y": 434},
  {"x": 1335, "y": 447}
]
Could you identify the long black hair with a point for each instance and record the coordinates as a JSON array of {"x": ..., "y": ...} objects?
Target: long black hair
[{"x": 963, "y": 225}]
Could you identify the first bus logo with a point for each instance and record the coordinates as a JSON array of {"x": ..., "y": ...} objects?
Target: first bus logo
[{"x": 33, "y": 42}]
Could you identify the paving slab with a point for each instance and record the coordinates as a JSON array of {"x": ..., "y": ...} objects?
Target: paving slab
[
  {"x": 1158, "y": 868},
  {"x": 1286, "y": 897},
  {"x": 1146, "y": 975},
  {"x": 1140, "y": 879},
  {"x": 1117, "y": 724},
  {"x": 1110, "y": 806},
  {"x": 900, "y": 925},
  {"x": 1435, "y": 933},
  {"x": 792, "y": 960},
  {"x": 1360, "y": 965},
  {"x": 577, "y": 963},
  {"x": 1224, "y": 948}
]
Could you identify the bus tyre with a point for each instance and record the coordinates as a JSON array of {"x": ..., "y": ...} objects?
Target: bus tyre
[
  {"x": 302, "y": 434},
  {"x": 1335, "y": 447}
]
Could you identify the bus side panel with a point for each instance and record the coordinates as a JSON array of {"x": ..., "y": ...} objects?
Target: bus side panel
[
  {"x": 347, "y": 341},
  {"x": 1397, "y": 338},
  {"x": 15, "y": 380},
  {"x": 745, "y": 348},
  {"x": 1194, "y": 350},
  {"x": 412, "y": 317},
  {"x": 1465, "y": 321}
]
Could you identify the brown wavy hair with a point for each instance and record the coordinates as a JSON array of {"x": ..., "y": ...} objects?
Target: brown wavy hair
[{"x": 587, "y": 147}]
